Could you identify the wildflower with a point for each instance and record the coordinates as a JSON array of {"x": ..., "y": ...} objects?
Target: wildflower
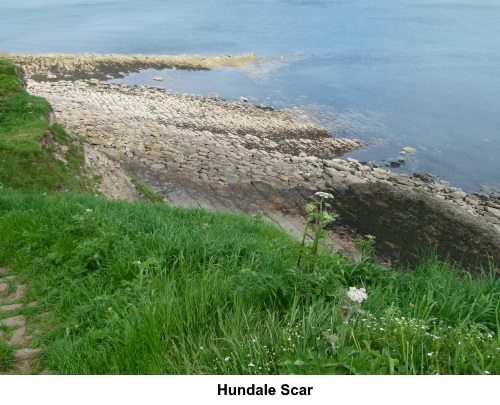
[
  {"x": 357, "y": 295},
  {"x": 88, "y": 210},
  {"x": 227, "y": 358},
  {"x": 321, "y": 194},
  {"x": 251, "y": 365},
  {"x": 430, "y": 354}
]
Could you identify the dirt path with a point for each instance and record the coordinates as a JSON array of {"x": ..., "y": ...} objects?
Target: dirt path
[{"x": 13, "y": 328}]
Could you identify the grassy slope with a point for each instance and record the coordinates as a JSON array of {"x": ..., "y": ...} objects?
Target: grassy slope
[
  {"x": 141, "y": 288},
  {"x": 23, "y": 122}
]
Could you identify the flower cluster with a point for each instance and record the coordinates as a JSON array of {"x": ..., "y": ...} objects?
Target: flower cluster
[
  {"x": 322, "y": 194},
  {"x": 357, "y": 295}
]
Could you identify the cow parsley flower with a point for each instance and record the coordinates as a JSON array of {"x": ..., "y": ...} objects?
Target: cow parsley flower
[
  {"x": 357, "y": 295},
  {"x": 322, "y": 194}
]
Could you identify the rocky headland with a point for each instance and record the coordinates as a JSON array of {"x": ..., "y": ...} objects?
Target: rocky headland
[{"x": 238, "y": 157}]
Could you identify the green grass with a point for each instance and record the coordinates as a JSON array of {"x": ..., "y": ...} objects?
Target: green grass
[
  {"x": 148, "y": 289},
  {"x": 146, "y": 192},
  {"x": 24, "y": 165},
  {"x": 6, "y": 357},
  {"x": 23, "y": 118}
]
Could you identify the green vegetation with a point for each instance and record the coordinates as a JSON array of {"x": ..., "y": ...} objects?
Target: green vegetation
[
  {"x": 138, "y": 288},
  {"x": 146, "y": 192},
  {"x": 6, "y": 357},
  {"x": 24, "y": 164}
]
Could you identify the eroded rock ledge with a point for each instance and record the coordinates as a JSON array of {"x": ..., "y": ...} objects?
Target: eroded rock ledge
[
  {"x": 233, "y": 149},
  {"x": 72, "y": 67}
]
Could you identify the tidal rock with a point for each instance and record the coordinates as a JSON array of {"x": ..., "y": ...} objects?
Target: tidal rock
[{"x": 232, "y": 178}]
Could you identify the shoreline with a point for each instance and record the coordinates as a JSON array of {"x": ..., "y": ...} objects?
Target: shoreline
[
  {"x": 231, "y": 148},
  {"x": 97, "y": 66}
]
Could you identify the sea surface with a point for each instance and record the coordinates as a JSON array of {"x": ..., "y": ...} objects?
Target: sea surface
[{"x": 393, "y": 73}]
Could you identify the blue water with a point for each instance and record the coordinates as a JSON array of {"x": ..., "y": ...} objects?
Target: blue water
[{"x": 421, "y": 73}]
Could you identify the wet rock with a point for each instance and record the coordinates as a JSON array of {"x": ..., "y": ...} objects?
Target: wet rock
[
  {"x": 232, "y": 178},
  {"x": 425, "y": 177},
  {"x": 409, "y": 149},
  {"x": 173, "y": 165}
]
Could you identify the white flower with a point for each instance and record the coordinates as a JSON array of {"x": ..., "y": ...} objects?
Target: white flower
[
  {"x": 321, "y": 194},
  {"x": 430, "y": 354},
  {"x": 251, "y": 365},
  {"x": 227, "y": 358},
  {"x": 357, "y": 295}
]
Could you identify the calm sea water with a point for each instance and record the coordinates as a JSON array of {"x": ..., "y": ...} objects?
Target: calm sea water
[{"x": 421, "y": 73}]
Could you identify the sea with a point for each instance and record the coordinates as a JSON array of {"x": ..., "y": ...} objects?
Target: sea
[{"x": 393, "y": 73}]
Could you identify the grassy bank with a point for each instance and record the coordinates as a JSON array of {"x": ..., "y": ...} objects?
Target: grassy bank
[
  {"x": 24, "y": 127},
  {"x": 136, "y": 288}
]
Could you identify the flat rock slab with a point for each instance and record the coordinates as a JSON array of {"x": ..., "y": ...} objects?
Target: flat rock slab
[
  {"x": 3, "y": 287},
  {"x": 19, "y": 337},
  {"x": 24, "y": 357},
  {"x": 14, "y": 321},
  {"x": 20, "y": 288},
  {"x": 25, "y": 354},
  {"x": 11, "y": 307}
]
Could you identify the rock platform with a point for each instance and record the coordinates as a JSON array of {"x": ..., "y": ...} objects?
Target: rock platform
[{"x": 238, "y": 157}]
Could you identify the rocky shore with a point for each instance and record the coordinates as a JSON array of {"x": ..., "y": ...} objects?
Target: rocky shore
[
  {"x": 87, "y": 66},
  {"x": 235, "y": 148}
]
